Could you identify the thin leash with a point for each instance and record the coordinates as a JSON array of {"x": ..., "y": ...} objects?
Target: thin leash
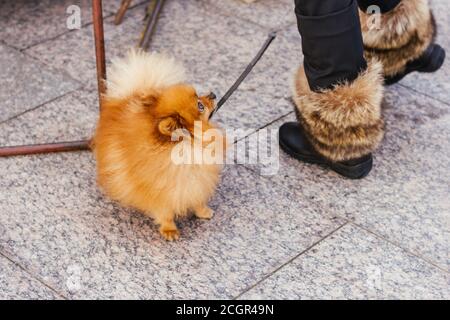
[{"x": 244, "y": 74}]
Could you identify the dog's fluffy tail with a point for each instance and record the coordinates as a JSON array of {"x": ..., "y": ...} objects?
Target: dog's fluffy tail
[{"x": 140, "y": 71}]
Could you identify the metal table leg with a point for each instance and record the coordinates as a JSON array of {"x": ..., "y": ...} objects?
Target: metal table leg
[{"x": 101, "y": 76}]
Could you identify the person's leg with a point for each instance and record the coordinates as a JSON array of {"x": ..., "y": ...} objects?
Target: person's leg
[
  {"x": 401, "y": 37},
  {"x": 331, "y": 41},
  {"x": 337, "y": 93}
]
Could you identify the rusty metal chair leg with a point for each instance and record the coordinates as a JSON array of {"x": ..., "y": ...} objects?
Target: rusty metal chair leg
[
  {"x": 121, "y": 12},
  {"x": 99, "y": 37},
  {"x": 44, "y": 148},
  {"x": 155, "y": 7},
  {"x": 101, "y": 76}
]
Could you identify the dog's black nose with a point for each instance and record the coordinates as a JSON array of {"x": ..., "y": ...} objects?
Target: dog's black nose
[{"x": 212, "y": 96}]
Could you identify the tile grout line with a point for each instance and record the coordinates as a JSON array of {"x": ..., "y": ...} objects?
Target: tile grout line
[
  {"x": 424, "y": 94},
  {"x": 289, "y": 261},
  {"x": 205, "y": 6},
  {"x": 360, "y": 226},
  {"x": 262, "y": 127},
  {"x": 235, "y": 142},
  {"x": 33, "y": 276},
  {"x": 398, "y": 245},
  {"x": 106, "y": 15},
  {"x": 55, "y": 37},
  {"x": 63, "y": 71},
  {"x": 265, "y": 126},
  {"x": 39, "y": 106},
  {"x": 51, "y": 67}
]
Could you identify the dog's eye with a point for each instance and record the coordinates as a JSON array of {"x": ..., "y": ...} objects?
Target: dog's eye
[{"x": 201, "y": 107}]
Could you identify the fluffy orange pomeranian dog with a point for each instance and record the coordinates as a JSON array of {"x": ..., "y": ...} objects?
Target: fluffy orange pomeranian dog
[{"x": 147, "y": 101}]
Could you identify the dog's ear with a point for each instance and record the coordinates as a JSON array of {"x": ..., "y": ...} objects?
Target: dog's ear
[{"x": 168, "y": 125}]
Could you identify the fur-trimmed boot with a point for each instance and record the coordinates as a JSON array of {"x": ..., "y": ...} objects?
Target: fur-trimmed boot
[
  {"x": 337, "y": 127},
  {"x": 402, "y": 39}
]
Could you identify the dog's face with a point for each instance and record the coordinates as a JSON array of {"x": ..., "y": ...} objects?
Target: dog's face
[{"x": 179, "y": 107}]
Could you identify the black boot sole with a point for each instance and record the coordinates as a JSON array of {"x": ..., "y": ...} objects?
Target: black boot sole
[
  {"x": 354, "y": 172},
  {"x": 432, "y": 61}
]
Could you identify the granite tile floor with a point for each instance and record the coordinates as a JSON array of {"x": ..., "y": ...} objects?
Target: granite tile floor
[{"x": 301, "y": 233}]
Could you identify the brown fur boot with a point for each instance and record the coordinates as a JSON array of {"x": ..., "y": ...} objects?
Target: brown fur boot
[
  {"x": 402, "y": 39},
  {"x": 337, "y": 127}
]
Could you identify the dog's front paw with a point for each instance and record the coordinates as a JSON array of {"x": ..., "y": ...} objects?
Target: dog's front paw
[
  {"x": 204, "y": 213},
  {"x": 170, "y": 234}
]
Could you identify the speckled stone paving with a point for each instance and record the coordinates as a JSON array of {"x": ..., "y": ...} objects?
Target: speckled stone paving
[{"x": 302, "y": 233}]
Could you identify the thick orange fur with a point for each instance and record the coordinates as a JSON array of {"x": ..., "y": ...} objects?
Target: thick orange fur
[{"x": 133, "y": 146}]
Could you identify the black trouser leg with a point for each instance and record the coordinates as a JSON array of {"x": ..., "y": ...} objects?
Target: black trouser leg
[
  {"x": 331, "y": 40},
  {"x": 384, "y": 5}
]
